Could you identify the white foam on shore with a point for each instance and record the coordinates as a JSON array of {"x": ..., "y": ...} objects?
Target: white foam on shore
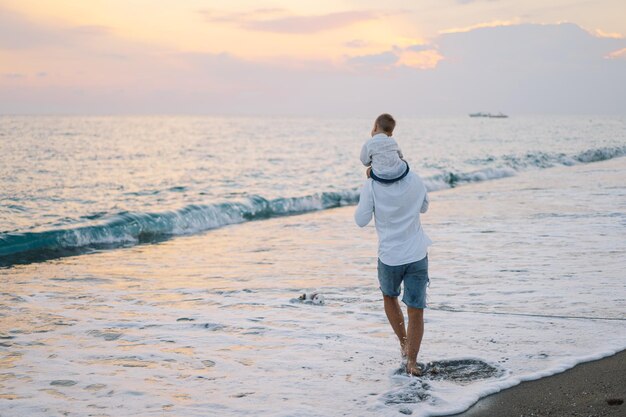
[{"x": 449, "y": 399}]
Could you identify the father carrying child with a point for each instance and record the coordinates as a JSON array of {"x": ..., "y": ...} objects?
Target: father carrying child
[{"x": 395, "y": 198}]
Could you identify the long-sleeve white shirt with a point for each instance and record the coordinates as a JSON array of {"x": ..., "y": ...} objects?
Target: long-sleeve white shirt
[
  {"x": 383, "y": 154},
  {"x": 396, "y": 208}
]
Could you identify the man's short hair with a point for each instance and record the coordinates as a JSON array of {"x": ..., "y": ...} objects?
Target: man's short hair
[{"x": 386, "y": 123}]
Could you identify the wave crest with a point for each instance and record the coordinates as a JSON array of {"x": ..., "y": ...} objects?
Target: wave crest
[
  {"x": 129, "y": 228},
  {"x": 133, "y": 228}
]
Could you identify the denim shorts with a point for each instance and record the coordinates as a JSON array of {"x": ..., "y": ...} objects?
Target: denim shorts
[{"x": 414, "y": 276}]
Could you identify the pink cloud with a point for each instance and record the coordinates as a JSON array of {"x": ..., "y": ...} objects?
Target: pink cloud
[
  {"x": 211, "y": 15},
  {"x": 619, "y": 54},
  {"x": 280, "y": 21},
  {"x": 310, "y": 24},
  {"x": 356, "y": 43},
  {"x": 18, "y": 31}
]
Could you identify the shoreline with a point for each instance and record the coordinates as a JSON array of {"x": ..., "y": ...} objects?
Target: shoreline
[{"x": 584, "y": 390}]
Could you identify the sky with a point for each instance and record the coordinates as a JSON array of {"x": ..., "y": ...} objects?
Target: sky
[{"x": 337, "y": 58}]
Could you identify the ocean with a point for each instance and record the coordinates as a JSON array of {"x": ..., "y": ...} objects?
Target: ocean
[{"x": 152, "y": 265}]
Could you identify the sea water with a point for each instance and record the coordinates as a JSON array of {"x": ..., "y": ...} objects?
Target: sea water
[
  {"x": 135, "y": 280},
  {"x": 74, "y": 183}
]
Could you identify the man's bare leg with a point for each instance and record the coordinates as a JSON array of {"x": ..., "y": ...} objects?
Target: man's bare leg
[
  {"x": 396, "y": 319},
  {"x": 414, "y": 341}
]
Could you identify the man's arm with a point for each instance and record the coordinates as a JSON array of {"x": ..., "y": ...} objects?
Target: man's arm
[{"x": 365, "y": 209}]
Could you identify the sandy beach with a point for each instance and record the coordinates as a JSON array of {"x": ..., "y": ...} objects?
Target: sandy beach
[{"x": 595, "y": 388}]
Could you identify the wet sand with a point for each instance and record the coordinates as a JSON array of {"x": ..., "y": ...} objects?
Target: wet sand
[{"x": 585, "y": 390}]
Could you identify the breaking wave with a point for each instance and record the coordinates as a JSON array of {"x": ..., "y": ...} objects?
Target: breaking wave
[{"x": 130, "y": 228}]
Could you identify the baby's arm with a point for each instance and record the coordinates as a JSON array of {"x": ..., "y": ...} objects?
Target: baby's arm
[
  {"x": 365, "y": 156},
  {"x": 399, "y": 150}
]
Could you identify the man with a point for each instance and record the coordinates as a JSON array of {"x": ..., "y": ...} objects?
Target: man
[{"x": 402, "y": 251}]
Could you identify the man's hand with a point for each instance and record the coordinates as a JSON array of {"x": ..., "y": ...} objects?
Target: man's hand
[{"x": 368, "y": 172}]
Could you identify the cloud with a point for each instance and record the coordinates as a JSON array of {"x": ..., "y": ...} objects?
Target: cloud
[
  {"x": 280, "y": 21},
  {"x": 492, "y": 24},
  {"x": 17, "y": 75},
  {"x": 619, "y": 54},
  {"x": 217, "y": 16},
  {"x": 377, "y": 61},
  {"x": 602, "y": 34},
  {"x": 419, "y": 47},
  {"x": 356, "y": 43},
  {"x": 475, "y": 1},
  {"x": 90, "y": 30},
  {"x": 524, "y": 47},
  {"x": 525, "y": 68},
  {"x": 418, "y": 56},
  {"x": 310, "y": 24},
  {"x": 424, "y": 59},
  {"x": 515, "y": 68},
  {"x": 20, "y": 32},
  {"x": 556, "y": 68}
]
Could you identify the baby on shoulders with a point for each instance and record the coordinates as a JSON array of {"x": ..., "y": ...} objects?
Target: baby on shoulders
[{"x": 382, "y": 155}]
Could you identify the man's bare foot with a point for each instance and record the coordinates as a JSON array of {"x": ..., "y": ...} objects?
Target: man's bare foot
[{"x": 413, "y": 369}]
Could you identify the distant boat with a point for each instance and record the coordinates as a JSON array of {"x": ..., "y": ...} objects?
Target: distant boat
[{"x": 489, "y": 115}]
